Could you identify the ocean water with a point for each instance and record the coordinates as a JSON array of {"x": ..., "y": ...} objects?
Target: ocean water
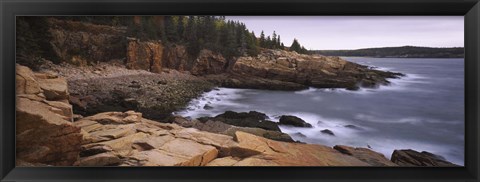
[{"x": 423, "y": 111}]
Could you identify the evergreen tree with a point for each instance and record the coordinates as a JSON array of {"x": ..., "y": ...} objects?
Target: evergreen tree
[
  {"x": 273, "y": 44},
  {"x": 295, "y": 46},
  {"x": 181, "y": 28},
  {"x": 171, "y": 29},
  {"x": 262, "y": 39}
]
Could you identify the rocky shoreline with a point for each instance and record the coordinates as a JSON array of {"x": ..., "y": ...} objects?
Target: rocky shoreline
[
  {"x": 112, "y": 87},
  {"x": 47, "y": 135},
  {"x": 99, "y": 108}
]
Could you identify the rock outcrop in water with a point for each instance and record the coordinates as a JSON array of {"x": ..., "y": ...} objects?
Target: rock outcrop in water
[
  {"x": 307, "y": 70},
  {"x": 294, "y": 121}
]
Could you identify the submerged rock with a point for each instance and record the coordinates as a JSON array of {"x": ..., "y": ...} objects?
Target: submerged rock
[
  {"x": 294, "y": 121},
  {"x": 414, "y": 158},
  {"x": 328, "y": 132},
  {"x": 353, "y": 127},
  {"x": 207, "y": 107}
]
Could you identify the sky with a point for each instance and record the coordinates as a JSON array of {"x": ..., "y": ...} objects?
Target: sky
[{"x": 356, "y": 32}]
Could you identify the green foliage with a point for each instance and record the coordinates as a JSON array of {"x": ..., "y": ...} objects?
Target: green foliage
[{"x": 297, "y": 47}]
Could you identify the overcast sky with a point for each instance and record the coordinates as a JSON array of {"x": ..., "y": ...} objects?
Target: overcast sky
[{"x": 354, "y": 32}]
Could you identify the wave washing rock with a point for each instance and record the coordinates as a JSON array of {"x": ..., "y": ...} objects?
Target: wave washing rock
[
  {"x": 243, "y": 119},
  {"x": 294, "y": 121},
  {"x": 307, "y": 70},
  {"x": 44, "y": 132},
  {"x": 414, "y": 158},
  {"x": 227, "y": 129}
]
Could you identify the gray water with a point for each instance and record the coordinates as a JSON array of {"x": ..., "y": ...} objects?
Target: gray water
[{"x": 423, "y": 111}]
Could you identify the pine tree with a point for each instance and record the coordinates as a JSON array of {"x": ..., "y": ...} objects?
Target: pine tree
[
  {"x": 295, "y": 46},
  {"x": 171, "y": 29},
  {"x": 262, "y": 39},
  {"x": 181, "y": 28},
  {"x": 274, "y": 40}
]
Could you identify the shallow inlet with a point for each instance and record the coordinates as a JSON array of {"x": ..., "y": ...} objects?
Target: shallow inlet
[{"x": 423, "y": 111}]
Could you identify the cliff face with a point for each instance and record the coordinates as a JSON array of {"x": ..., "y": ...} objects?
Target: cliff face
[
  {"x": 44, "y": 132},
  {"x": 153, "y": 56},
  {"x": 144, "y": 55},
  {"x": 81, "y": 43}
]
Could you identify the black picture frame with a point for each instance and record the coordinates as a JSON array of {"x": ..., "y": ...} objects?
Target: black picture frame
[{"x": 470, "y": 9}]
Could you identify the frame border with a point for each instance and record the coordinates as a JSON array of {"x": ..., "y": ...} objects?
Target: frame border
[{"x": 9, "y": 8}]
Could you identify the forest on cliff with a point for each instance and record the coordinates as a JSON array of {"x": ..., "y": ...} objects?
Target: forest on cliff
[{"x": 215, "y": 33}]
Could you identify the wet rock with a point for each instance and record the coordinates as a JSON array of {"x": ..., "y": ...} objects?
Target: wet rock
[
  {"x": 300, "y": 134},
  {"x": 410, "y": 157},
  {"x": 207, "y": 107},
  {"x": 353, "y": 127},
  {"x": 327, "y": 132},
  {"x": 227, "y": 129},
  {"x": 294, "y": 121},
  {"x": 243, "y": 119}
]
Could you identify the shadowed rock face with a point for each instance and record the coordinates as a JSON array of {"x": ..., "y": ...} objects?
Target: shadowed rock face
[
  {"x": 414, "y": 158},
  {"x": 80, "y": 43}
]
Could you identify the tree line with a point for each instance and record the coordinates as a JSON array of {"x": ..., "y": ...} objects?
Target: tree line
[
  {"x": 404, "y": 51},
  {"x": 227, "y": 37},
  {"x": 230, "y": 38}
]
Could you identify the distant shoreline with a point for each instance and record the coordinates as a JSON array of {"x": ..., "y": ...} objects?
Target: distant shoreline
[
  {"x": 405, "y": 57},
  {"x": 397, "y": 52}
]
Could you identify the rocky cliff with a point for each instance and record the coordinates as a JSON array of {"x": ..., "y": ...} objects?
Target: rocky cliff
[
  {"x": 81, "y": 43},
  {"x": 44, "y": 130},
  {"x": 300, "y": 70},
  {"x": 153, "y": 56}
]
